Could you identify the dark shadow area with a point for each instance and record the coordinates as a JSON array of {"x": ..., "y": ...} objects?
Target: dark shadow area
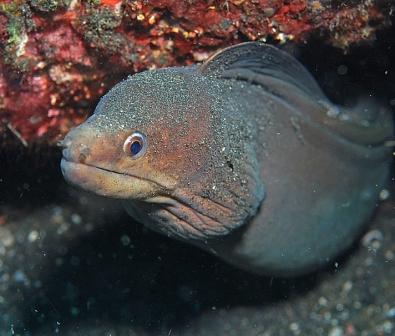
[
  {"x": 29, "y": 175},
  {"x": 368, "y": 69},
  {"x": 122, "y": 274}
]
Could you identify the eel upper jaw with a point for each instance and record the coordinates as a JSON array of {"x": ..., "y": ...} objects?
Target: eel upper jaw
[{"x": 108, "y": 183}]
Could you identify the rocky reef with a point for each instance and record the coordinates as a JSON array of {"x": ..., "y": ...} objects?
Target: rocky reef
[{"x": 57, "y": 57}]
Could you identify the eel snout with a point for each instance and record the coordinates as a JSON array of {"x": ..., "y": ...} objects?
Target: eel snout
[{"x": 76, "y": 146}]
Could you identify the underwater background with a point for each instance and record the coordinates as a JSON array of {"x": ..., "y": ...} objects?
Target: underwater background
[{"x": 75, "y": 264}]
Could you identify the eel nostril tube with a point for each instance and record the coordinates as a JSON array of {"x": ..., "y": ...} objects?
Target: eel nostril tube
[
  {"x": 84, "y": 153},
  {"x": 61, "y": 144},
  {"x": 64, "y": 143}
]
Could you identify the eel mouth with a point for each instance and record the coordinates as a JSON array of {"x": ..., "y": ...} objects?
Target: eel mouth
[{"x": 106, "y": 182}]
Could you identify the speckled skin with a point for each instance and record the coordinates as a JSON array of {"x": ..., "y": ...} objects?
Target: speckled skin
[{"x": 246, "y": 158}]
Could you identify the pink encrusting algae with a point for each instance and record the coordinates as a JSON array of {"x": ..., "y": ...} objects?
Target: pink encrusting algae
[{"x": 58, "y": 57}]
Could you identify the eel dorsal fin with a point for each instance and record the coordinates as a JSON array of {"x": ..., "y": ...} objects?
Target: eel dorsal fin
[
  {"x": 281, "y": 75},
  {"x": 262, "y": 60}
]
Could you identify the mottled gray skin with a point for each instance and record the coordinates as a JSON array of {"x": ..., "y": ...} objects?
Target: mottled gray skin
[{"x": 246, "y": 159}]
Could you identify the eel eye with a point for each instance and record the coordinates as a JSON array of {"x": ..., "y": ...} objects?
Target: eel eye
[{"x": 135, "y": 145}]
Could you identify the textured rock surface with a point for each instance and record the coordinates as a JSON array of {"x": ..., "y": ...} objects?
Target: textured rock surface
[{"x": 59, "y": 56}]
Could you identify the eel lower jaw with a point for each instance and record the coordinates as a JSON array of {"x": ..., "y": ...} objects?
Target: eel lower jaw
[{"x": 107, "y": 183}]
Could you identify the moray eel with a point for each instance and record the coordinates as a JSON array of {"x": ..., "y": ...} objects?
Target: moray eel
[{"x": 243, "y": 156}]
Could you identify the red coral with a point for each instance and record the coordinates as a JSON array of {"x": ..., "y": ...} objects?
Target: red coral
[
  {"x": 110, "y": 2},
  {"x": 57, "y": 61}
]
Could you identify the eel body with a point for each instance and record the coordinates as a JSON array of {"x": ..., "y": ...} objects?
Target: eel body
[{"x": 243, "y": 156}]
